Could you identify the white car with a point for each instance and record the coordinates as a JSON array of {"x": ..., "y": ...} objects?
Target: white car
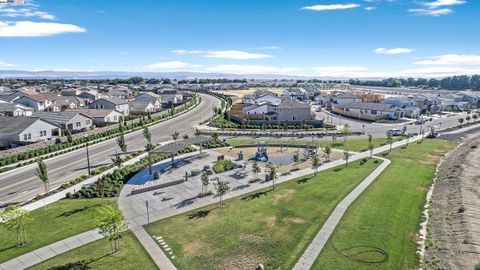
[{"x": 396, "y": 132}]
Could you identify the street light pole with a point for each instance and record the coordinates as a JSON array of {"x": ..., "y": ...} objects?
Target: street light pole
[{"x": 88, "y": 159}]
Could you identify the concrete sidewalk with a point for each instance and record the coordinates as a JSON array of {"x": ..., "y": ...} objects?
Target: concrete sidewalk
[
  {"x": 50, "y": 251},
  {"x": 313, "y": 250}
]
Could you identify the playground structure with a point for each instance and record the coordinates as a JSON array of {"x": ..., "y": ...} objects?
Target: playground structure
[{"x": 261, "y": 154}]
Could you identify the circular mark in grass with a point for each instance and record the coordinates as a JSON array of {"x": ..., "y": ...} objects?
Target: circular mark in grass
[{"x": 363, "y": 254}]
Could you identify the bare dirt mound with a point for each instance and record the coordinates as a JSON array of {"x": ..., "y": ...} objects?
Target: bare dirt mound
[{"x": 453, "y": 239}]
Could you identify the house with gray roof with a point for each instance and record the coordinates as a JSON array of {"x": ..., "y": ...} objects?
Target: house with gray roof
[
  {"x": 141, "y": 107},
  {"x": 118, "y": 104},
  {"x": 369, "y": 111},
  {"x": 12, "y": 109},
  {"x": 101, "y": 117},
  {"x": 74, "y": 121},
  {"x": 15, "y": 131}
]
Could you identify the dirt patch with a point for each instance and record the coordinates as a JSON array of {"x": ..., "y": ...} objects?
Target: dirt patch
[
  {"x": 196, "y": 248},
  {"x": 431, "y": 159},
  {"x": 271, "y": 222},
  {"x": 297, "y": 220},
  {"x": 284, "y": 194},
  {"x": 240, "y": 262},
  {"x": 453, "y": 238},
  {"x": 253, "y": 238}
]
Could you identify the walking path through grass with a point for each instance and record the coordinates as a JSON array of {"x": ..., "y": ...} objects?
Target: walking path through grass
[{"x": 316, "y": 246}]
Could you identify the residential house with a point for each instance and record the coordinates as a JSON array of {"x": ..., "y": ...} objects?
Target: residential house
[
  {"x": 290, "y": 110},
  {"x": 170, "y": 97},
  {"x": 369, "y": 111},
  {"x": 16, "y": 131},
  {"x": 150, "y": 97},
  {"x": 473, "y": 98},
  {"x": 101, "y": 117},
  {"x": 67, "y": 102},
  {"x": 141, "y": 107},
  {"x": 120, "y": 105},
  {"x": 74, "y": 121},
  {"x": 38, "y": 102},
  {"x": 12, "y": 109},
  {"x": 296, "y": 93}
]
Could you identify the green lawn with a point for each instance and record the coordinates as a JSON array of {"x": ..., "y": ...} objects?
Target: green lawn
[
  {"x": 357, "y": 145},
  {"x": 268, "y": 227},
  {"x": 386, "y": 217},
  {"x": 59, "y": 220},
  {"x": 97, "y": 255}
]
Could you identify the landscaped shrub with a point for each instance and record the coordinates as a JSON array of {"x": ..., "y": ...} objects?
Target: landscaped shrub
[{"x": 223, "y": 166}]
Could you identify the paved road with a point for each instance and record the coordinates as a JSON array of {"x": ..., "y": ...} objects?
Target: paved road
[
  {"x": 22, "y": 184},
  {"x": 379, "y": 129}
]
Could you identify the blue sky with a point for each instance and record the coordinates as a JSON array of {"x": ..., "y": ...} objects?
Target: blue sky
[{"x": 353, "y": 38}]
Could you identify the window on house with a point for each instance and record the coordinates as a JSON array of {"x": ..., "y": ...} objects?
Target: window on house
[
  {"x": 25, "y": 137},
  {"x": 29, "y": 136},
  {"x": 115, "y": 118},
  {"x": 78, "y": 124},
  {"x": 87, "y": 122}
]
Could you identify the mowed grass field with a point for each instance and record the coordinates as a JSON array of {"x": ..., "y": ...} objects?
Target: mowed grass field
[
  {"x": 57, "y": 221},
  {"x": 272, "y": 227},
  {"x": 382, "y": 224},
  {"x": 97, "y": 256},
  {"x": 356, "y": 145}
]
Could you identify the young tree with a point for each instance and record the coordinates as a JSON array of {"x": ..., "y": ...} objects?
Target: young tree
[
  {"x": 346, "y": 131},
  {"x": 222, "y": 188},
  {"x": 272, "y": 172},
  {"x": 296, "y": 159},
  {"x": 117, "y": 161},
  {"x": 468, "y": 119},
  {"x": 68, "y": 133},
  {"x": 315, "y": 163},
  {"x": 147, "y": 134},
  {"x": 460, "y": 120},
  {"x": 255, "y": 169},
  {"x": 371, "y": 147},
  {"x": 346, "y": 156},
  {"x": 121, "y": 142},
  {"x": 475, "y": 117},
  {"x": 328, "y": 152},
  {"x": 111, "y": 225},
  {"x": 185, "y": 136},
  {"x": 16, "y": 219},
  {"x": 390, "y": 140},
  {"x": 205, "y": 181},
  {"x": 42, "y": 173},
  {"x": 175, "y": 135},
  {"x": 197, "y": 132},
  {"x": 334, "y": 138},
  {"x": 102, "y": 186},
  {"x": 404, "y": 131}
]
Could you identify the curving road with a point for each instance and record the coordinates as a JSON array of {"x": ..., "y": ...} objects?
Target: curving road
[{"x": 22, "y": 184}]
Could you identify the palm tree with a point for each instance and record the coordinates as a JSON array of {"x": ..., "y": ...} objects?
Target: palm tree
[
  {"x": 315, "y": 163},
  {"x": 346, "y": 156},
  {"x": 328, "y": 152},
  {"x": 255, "y": 169},
  {"x": 222, "y": 188},
  {"x": 42, "y": 173},
  {"x": 205, "y": 181},
  {"x": 175, "y": 135},
  {"x": 111, "y": 225},
  {"x": 17, "y": 219}
]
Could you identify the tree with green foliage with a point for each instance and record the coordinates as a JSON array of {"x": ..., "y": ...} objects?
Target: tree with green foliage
[
  {"x": 117, "y": 160},
  {"x": 255, "y": 169},
  {"x": 185, "y": 136},
  {"x": 334, "y": 138},
  {"x": 346, "y": 157},
  {"x": 460, "y": 120},
  {"x": 215, "y": 135},
  {"x": 296, "y": 159},
  {"x": 475, "y": 117},
  {"x": 111, "y": 225},
  {"x": 468, "y": 119},
  {"x": 42, "y": 173},
  {"x": 390, "y": 140},
  {"x": 102, "y": 186},
  {"x": 68, "y": 133},
  {"x": 205, "y": 181},
  {"x": 346, "y": 131},
  {"x": 148, "y": 136},
  {"x": 17, "y": 219},
  {"x": 328, "y": 152},
  {"x": 315, "y": 159},
  {"x": 222, "y": 188},
  {"x": 121, "y": 142},
  {"x": 272, "y": 173}
]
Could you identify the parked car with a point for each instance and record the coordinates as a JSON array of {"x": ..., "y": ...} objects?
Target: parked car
[{"x": 396, "y": 132}]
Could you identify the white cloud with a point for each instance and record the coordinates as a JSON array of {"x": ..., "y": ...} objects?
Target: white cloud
[
  {"x": 431, "y": 12},
  {"x": 442, "y": 3},
  {"x": 452, "y": 59},
  {"x": 251, "y": 69},
  {"x": 370, "y": 8},
  {"x": 25, "y": 11},
  {"x": 4, "y": 64},
  {"x": 172, "y": 66},
  {"x": 227, "y": 54},
  {"x": 330, "y": 7},
  {"x": 393, "y": 51},
  {"x": 36, "y": 29}
]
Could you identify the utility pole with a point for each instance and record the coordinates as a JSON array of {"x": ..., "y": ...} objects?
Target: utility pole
[
  {"x": 148, "y": 214},
  {"x": 88, "y": 159}
]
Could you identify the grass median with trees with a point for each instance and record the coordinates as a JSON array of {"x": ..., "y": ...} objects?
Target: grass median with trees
[
  {"x": 379, "y": 230},
  {"x": 268, "y": 226},
  {"x": 97, "y": 255},
  {"x": 50, "y": 224}
]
